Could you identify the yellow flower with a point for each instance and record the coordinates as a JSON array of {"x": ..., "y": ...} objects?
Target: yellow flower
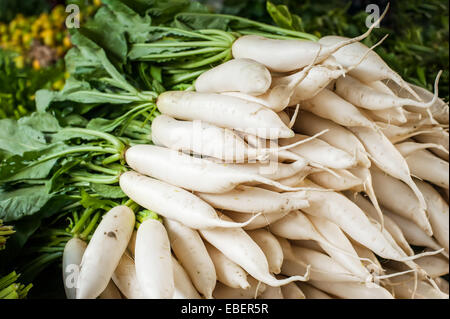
[
  {"x": 19, "y": 61},
  {"x": 97, "y": 3},
  {"x": 36, "y": 64},
  {"x": 66, "y": 42}
]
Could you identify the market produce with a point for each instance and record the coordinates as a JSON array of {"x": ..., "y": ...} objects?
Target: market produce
[{"x": 312, "y": 197}]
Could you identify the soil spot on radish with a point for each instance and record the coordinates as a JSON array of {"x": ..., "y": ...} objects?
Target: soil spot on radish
[{"x": 112, "y": 234}]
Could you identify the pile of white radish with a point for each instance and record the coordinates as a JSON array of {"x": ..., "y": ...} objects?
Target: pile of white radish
[{"x": 296, "y": 170}]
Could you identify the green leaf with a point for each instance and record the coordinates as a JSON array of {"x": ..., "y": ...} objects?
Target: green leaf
[
  {"x": 26, "y": 166},
  {"x": 16, "y": 138},
  {"x": 43, "y": 122},
  {"x": 108, "y": 191},
  {"x": 22, "y": 202}
]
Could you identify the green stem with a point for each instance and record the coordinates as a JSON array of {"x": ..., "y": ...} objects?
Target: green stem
[
  {"x": 178, "y": 78},
  {"x": 111, "y": 159},
  {"x": 218, "y": 57},
  {"x": 259, "y": 25},
  {"x": 179, "y": 54},
  {"x": 223, "y": 34},
  {"x": 101, "y": 169},
  {"x": 97, "y": 179},
  {"x": 108, "y": 137},
  {"x": 87, "y": 212},
  {"x": 181, "y": 44},
  {"x": 90, "y": 226},
  {"x": 186, "y": 33}
]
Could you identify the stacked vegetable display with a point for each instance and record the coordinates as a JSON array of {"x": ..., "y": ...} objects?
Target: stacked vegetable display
[{"x": 296, "y": 169}]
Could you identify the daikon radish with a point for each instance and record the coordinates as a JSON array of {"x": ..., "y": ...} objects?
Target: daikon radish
[
  {"x": 345, "y": 180},
  {"x": 270, "y": 247},
  {"x": 223, "y": 111},
  {"x": 362, "y": 95},
  {"x": 104, "y": 251},
  {"x": 352, "y": 290},
  {"x": 240, "y": 75},
  {"x": 331, "y": 106},
  {"x": 400, "y": 199},
  {"x": 439, "y": 137},
  {"x": 184, "y": 289},
  {"x": 337, "y": 136},
  {"x": 272, "y": 293},
  {"x": 259, "y": 221},
  {"x": 438, "y": 213},
  {"x": 126, "y": 280},
  {"x": 255, "y": 290},
  {"x": 154, "y": 268},
  {"x": 292, "y": 291},
  {"x": 389, "y": 224},
  {"x": 249, "y": 199},
  {"x": 72, "y": 256},
  {"x": 289, "y": 55},
  {"x": 238, "y": 246},
  {"x": 435, "y": 266},
  {"x": 387, "y": 157},
  {"x": 321, "y": 152},
  {"x": 228, "y": 272},
  {"x": 191, "y": 252},
  {"x": 404, "y": 288},
  {"x": 172, "y": 202},
  {"x": 192, "y": 173}
]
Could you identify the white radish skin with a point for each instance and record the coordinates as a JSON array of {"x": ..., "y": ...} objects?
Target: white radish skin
[
  {"x": 259, "y": 221},
  {"x": 435, "y": 266},
  {"x": 131, "y": 248},
  {"x": 439, "y": 137},
  {"x": 237, "y": 75},
  {"x": 224, "y": 111},
  {"x": 153, "y": 260},
  {"x": 321, "y": 152},
  {"x": 371, "y": 69},
  {"x": 389, "y": 224},
  {"x": 333, "y": 234},
  {"x": 323, "y": 268},
  {"x": 111, "y": 292},
  {"x": 172, "y": 202},
  {"x": 191, "y": 252},
  {"x": 404, "y": 288},
  {"x": 272, "y": 293},
  {"x": 284, "y": 117},
  {"x": 337, "y": 136},
  {"x": 312, "y": 292},
  {"x": 295, "y": 180},
  {"x": 292, "y": 291},
  {"x": 228, "y": 272},
  {"x": 397, "y": 134},
  {"x": 429, "y": 167},
  {"x": 352, "y": 290},
  {"x": 184, "y": 289},
  {"x": 199, "y": 137},
  {"x": 288, "y": 55},
  {"x": 255, "y": 290},
  {"x": 362, "y": 95},
  {"x": 442, "y": 284},
  {"x": 103, "y": 253},
  {"x": 364, "y": 252},
  {"x": 271, "y": 248},
  {"x": 352, "y": 220},
  {"x": 387, "y": 157},
  {"x": 439, "y": 110},
  {"x": 126, "y": 280},
  {"x": 408, "y": 148},
  {"x": 249, "y": 199},
  {"x": 278, "y": 96},
  {"x": 438, "y": 213},
  {"x": 399, "y": 198},
  {"x": 413, "y": 234},
  {"x": 310, "y": 244},
  {"x": 72, "y": 256},
  {"x": 344, "y": 181},
  {"x": 238, "y": 246},
  {"x": 316, "y": 80},
  {"x": 331, "y": 106},
  {"x": 296, "y": 226},
  {"x": 192, "y": 173},
  {"x": 394, "y": 115}
]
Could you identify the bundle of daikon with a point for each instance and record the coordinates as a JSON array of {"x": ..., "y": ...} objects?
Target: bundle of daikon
[{"x": 289, "y": 172}]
